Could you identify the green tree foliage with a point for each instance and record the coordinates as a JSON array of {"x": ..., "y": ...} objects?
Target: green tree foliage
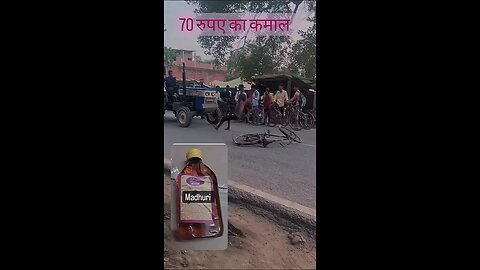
[
  {"x": 220, "y": 47},
  {"x": 265, "y": 55},
  {"x": 168, "y": 56},
  {"x": 245, "y": 57},
  {"x": 303, "y": 52}
]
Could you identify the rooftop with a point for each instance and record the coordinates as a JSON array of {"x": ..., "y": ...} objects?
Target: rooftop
[
  {"x": 183, "y": 50},
  {"x": 279, "y": 76}
]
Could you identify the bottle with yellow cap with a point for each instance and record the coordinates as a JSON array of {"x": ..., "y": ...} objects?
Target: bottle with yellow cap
[{"x": 198, "y": 202}]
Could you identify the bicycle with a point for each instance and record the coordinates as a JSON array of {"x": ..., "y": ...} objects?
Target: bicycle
[
  {"x": 300, "y": 119},
  {"x": 275, "y": 117},
  {"x": 313, "y": 116},
  {"x": 266, "y": 138},
  {"x": 296, "y": 118},
  {"x": 256, "y": 116}
]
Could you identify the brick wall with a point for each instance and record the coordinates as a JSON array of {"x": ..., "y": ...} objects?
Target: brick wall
[{"x": 197, "y": 71}]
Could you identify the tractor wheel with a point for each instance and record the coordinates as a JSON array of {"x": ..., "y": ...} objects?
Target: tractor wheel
[
  {"x": 184, "y": 116},
  {"x": 214, "y": 117}
]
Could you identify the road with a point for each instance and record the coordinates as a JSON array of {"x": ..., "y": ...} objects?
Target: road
[{"x": 285, "y": 172}]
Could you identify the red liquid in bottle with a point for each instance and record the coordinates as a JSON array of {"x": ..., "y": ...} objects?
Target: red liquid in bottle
[{"x": 209, "y": 215}]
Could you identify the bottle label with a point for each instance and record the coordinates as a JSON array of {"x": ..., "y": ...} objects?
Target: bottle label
[{"x": 196, "y": 199}]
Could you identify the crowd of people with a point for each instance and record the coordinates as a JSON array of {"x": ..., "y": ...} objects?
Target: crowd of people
[{"x": 238, "y": 104}]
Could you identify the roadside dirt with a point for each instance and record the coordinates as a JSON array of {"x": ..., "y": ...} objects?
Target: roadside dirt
[{"x": 254, "y": 243}]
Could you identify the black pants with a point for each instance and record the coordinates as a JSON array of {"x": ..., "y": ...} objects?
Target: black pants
[
  {"x": 228, "y": 117},
  {"x": 171, "y": 93}
]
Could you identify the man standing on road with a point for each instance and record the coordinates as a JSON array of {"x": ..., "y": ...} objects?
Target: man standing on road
[
  {"x": 280, "y": 98},
  {"x": 228, "y": 93},
  {"x": 248, "y": 104},
  {"x": 238, "y": 92},
  {"x": 267, "y": 103},
  {"x": 217, "y": 93},
  {"x": 241, "y": 99},
  {"x": 255, "y": 99}
]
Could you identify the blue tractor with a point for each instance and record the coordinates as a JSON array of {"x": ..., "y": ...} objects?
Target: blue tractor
[{"x": 192, "y": 101}]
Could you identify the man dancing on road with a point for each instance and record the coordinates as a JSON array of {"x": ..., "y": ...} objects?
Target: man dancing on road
[{"x": 231, "y": 104}]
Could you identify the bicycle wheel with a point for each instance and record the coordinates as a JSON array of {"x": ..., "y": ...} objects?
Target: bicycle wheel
[
  {"x": 294, "y": 121},
  {"x": 313, "y": 117},
  {"x": 290, "y": 134},
  {"x": 258, "y": 117},
  {"x": 274, "y": 117},
  {"x": 308, "y": 122},
  {"x": 284, "y": 120},
  {"x": 247, "y": 139},
  {"x": 214, "y": 117},
  {"x": 305, "y": 121}
]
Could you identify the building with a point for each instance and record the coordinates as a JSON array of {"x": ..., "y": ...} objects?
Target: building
[{"x": 195, "y": 70}]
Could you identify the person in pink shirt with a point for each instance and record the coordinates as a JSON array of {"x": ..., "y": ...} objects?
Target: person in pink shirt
[{"x": 295, "y": 100}]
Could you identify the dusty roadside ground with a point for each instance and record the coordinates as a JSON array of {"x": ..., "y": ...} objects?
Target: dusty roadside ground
[{"x": 254, "y": 242}]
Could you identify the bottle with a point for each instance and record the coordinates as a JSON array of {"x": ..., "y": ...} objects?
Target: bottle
[{"x": 198, "y": 200}]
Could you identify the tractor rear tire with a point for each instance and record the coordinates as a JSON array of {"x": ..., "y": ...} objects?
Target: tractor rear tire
[
  {"x": 214, "y": 117},
  {"x": 184, "y": 116}
]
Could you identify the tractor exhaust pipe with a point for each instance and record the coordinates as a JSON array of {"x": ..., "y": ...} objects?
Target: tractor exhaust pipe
[{"x": 184, "y": 83}]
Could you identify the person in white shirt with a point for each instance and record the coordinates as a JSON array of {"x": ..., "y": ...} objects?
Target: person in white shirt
[
  {"x": 281, "y": 97},
  {"x": 217, "y": 94}
]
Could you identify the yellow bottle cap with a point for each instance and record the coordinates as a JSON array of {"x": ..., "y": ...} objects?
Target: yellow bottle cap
[{"x": 192, "y": 153}]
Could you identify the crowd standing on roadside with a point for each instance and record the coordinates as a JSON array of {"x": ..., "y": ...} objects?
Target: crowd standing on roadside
[{"x": 239, "y": 103}]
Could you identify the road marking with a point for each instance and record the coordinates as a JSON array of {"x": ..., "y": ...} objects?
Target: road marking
[{"x": 306, "y": 144}]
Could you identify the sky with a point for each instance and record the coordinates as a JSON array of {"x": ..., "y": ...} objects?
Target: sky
[{"x": 177, "y": 39}]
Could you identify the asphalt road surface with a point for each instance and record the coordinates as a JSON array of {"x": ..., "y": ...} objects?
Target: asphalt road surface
[{"x": 287, "y": 172}]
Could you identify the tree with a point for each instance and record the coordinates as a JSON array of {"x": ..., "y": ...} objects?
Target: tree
[
  {"x": 221, "y": 47},
  {"x": 303, "y": 52},
  {"x": 265, "y": 55},
  {"x": 169, "y": 56}
]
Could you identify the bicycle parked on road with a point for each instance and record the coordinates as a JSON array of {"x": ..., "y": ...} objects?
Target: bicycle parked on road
[
  {"x": 256, "y": 116},
  {"x": 313, "y": 115},
  {"x": 266, "y": 138},
  {"x": 300, "y": 120},
  {"x": 275, "y": 116},
  {"x": 292, "y": 117}
]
